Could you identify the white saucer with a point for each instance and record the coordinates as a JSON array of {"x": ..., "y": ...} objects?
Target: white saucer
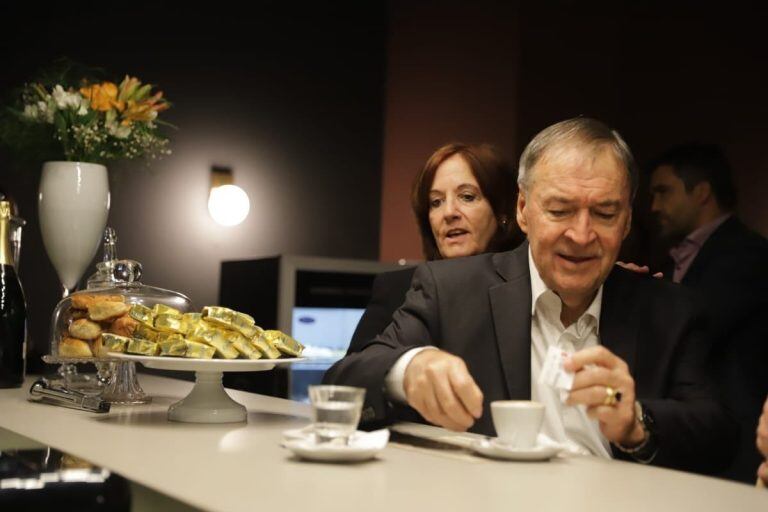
[
  {"x": 496, "y": 450},
  {"x": 362, "y": 446}
]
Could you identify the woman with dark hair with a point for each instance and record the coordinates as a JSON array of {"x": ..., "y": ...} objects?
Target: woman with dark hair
[{"x": 464, "y": 201}]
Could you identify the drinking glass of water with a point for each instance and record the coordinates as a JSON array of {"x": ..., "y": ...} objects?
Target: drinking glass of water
[{"x": 335, "y": 411}]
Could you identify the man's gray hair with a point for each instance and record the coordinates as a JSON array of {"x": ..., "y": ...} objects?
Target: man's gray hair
[{"x": 579, "y": 130}]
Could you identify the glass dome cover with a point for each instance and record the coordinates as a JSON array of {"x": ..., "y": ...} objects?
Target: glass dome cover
[{"x": 119, "y": 278}]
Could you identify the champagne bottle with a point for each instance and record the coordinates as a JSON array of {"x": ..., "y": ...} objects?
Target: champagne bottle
[{"x": 13, "y": 310}]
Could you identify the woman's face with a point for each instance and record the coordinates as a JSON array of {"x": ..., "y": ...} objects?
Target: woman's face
[{"x": 461, "y": 217}]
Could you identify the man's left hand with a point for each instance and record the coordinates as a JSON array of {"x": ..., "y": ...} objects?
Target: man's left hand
[{"x": 597, "y": 372}]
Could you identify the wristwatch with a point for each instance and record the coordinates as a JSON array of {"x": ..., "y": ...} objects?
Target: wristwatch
[{"x": 646, "y": 451}]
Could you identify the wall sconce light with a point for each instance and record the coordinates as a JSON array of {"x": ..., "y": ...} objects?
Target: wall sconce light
[{"x": 228, "y": 204}]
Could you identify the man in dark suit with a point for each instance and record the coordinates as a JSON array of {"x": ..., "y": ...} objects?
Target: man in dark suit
[
  {"x": 726, "y": 264},
  {"x": 475, "y": 330}
]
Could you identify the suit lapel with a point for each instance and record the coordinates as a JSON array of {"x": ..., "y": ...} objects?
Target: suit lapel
[
  {"x": 618, "y": 320},
  {"x": 511, "y": 309}
]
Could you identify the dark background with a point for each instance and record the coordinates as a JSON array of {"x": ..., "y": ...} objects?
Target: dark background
[{"x": 325, "y": 111}]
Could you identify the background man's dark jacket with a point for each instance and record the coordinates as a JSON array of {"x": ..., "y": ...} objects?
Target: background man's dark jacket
[
  {"x": 479, "y": 308},
  {"x": 730, "y": 277}
]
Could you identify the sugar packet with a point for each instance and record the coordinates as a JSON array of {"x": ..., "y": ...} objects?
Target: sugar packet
[{"x": 553, "y": 372}]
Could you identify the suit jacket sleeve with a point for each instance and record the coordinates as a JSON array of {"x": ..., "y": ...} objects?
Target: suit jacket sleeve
[{"x": 410, "y": 327}]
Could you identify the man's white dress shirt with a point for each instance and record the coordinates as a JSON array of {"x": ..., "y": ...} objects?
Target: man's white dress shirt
[{"x": 568, "y": 425}]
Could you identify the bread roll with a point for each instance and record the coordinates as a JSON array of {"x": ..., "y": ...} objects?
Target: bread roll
[
  {"x": 84, "y": 329},
  {"x": 72, "y": 347},
  {"x": 98, "y": 348},
  {"x": 123, "y": 326},
  {"x": 77, "y": 314},
  {"x": 105, "y": 310},
  {"x": 83, "y": 300}
]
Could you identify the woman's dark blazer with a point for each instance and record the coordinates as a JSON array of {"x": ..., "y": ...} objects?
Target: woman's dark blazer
[{"x": 387, "y": 295}]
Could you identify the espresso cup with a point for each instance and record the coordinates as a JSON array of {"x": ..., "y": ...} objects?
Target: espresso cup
[{"x": 517, "y": 422}]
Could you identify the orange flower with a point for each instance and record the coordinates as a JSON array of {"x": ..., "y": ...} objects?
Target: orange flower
[
  {"x": 142, "y": 111},
  {"x": 103, "y": 96},
  {"x": 145, "y": 110}
]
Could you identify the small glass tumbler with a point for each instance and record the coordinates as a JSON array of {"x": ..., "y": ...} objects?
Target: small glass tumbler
[{"x": 335, "y": 412}]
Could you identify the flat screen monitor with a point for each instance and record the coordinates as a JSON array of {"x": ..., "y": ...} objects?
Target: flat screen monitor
[{"x": 325, "y": 332}]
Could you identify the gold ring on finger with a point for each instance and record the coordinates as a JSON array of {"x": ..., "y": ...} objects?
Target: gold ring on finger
[{"x": 612, "y": 397}]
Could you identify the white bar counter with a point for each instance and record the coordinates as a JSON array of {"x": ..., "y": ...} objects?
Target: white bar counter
[{"x": 241, "y": 467}]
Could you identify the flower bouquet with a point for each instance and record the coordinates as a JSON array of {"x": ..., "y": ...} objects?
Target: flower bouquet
[{"x": 87, "y": 121}]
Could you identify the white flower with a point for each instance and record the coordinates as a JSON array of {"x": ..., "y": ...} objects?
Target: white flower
[
  {"x": 116, "y": 130},
  {"x": 31, "y": 112},
  {"x": 46, "y": 111},
  {"x": 62, "y": 98},
  {"x": 70, "y": 100}
]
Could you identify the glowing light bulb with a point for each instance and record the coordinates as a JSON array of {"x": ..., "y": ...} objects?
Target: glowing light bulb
[{"x": 228, "y": 205}]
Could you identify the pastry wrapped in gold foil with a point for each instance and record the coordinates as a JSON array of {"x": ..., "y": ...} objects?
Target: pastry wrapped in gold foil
[
  {"x": 199, "y": 350},
  {"x": 200, "y": 333},
  {"x": 214, "y": 337},
  {"x": 142, "y": 347},
  {"x": 245, "y": 325},
  {"x": 265, "y": 347},
  {"x": 115, "y": 342},
  {"x": 196, "y": 328},
  {"x": 283, "y": 343},
  {"x": 241, "y": 319},
  {"x": 143, "y": 314},
  {"x": 191, "y": 318},
  {"x": 248, "y": 330},
  {"x": 170, "y": 323},
  {"x": 145, "y": 333},
  {"x": 172, "y": 345},
  {"x": 218, "y": 339},
  {"x": 243, "y": 346},
  {"x": 162, "y": 309},
  {"x": 219, "y": 315}
]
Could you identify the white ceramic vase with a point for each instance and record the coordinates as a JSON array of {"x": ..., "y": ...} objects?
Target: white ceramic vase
[{"x": 73, "y": 204}]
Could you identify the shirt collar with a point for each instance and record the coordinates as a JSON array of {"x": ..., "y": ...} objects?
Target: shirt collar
[{"x": 539, "y": 288}]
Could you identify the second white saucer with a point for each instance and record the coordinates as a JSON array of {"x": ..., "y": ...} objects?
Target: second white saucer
[
  {"x": 496, "y": 450},
  {"x": 362, "y": 446}
]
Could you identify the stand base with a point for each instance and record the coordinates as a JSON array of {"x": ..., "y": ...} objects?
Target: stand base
[
  {"x": 207, "y": 403},
  {"x": 124, "y": 387}
]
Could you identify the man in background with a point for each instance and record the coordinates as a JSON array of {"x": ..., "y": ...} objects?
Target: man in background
[{"x": 726, "y": 263}]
